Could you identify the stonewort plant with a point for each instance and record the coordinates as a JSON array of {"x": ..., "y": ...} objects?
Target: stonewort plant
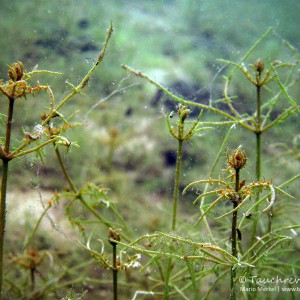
[
  {"x": 169, "y": 252},
  {"x": 247, "y": 256},
  {"x": 17, "y": 87},
  {"x": 224, "y": 239},
  {"x": 172, "y": 258},
  {"x": 238, "y": 193}
]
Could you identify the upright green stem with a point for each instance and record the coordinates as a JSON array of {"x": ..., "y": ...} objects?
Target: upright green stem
[
  {"x": 234, "y": 252},
  {"x": 183, "y": 113},
  {"x": 115, "y": 272},
  {"x": 9, "y": 124},
  {"x": 233, "y": 231},
  {"x": 175, "y": 204},
  {"x": 258, "y": 155},
  {"x": 237, "y": 161},
  {"x": 233, "y": 234},
  {"x": 114, "y": 238},
  {"x": 258, "y": 133},
  {"x": 258, "y": 129},
  {"x": 5, "y": 162},
  {"x": 258, "y": 126},
  {"x": 176, "y": 184},
  {"x": 234, "y": 214}
]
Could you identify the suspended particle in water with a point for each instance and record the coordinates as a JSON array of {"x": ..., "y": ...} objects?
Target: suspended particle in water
[{"x": 249, "y": 215}]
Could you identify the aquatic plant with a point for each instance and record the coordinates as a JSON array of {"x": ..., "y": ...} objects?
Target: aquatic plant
[{"x": 191, "y": 255}]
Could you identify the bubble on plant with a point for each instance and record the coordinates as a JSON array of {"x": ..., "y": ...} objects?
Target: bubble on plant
[{"x": 294, "y": 232}]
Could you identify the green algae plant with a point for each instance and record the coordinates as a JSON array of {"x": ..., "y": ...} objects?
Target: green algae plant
[
  {"x": 258, "y": 123},
  {"x": 18, "y": 87}
]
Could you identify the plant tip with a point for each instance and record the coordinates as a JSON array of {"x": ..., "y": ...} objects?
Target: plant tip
[
  {"x": 16, "y": 71},
  {"x": 259, "y": 65},
  {"x": 238, "y": 159}
]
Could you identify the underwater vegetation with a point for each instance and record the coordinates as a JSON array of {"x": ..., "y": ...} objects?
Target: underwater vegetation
[{"x": 228, "y": 228}]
